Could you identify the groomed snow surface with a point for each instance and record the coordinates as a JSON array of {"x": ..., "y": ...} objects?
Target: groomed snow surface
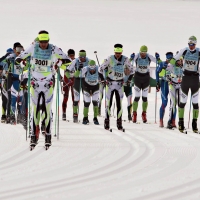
[{"x": 88, "y": 162}]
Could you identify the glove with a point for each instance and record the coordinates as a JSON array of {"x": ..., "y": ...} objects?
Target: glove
[
  {"x": 178, "y": 63},
  {"x": 128, "y": 83},
  {"x": 132, "y": 56},
  {"x": 165, "y": 64},
  {"x": 80, "y": 66},
  {"x": 157, "y": 86},
  {"x": 23, "y": 86},
  {"x": 103, "y": 82},
  {"x": 157, "y": 56}
]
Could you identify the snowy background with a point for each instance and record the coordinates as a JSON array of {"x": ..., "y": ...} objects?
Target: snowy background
[{"x": 88, "y": 162}]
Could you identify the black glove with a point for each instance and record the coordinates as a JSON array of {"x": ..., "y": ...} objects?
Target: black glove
[
  {"x": 80, "y": 66},
  {"x": 157, "y": 86},
  {"x": 103, "y": 82},
  {"x": 128, "y": 83}
]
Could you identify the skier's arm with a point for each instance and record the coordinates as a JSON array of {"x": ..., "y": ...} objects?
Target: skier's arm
[
  {"x": 174, "y": 60},
  {"x": 153, "y": 59},
  {"x": 80, "y": 71},
  {"x": 130, "y": 67},
  {"x": 158, "y": 70},
  {"x": 25, "y": 54},
  {"x": 102, "y": 67},
  {"x": 4, "y": 57}
]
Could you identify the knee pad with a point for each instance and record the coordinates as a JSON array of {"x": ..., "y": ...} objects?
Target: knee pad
[
  {"x": 95, "y": 103},
  {"x": 75, "y": 103},
  {"x": 137, "y": 99},
  {"x": 195, "y": 106},
  {"x": 144, "y": 99},
  {"x": 86, "y": 104},
  {"x": 182, "y": 105}
]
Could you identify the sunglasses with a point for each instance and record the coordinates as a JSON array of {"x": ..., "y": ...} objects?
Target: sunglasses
[
  {"x": 83, "y": 57},
  {"x": 19, "y": 49},
  {"x": 118, "y": 53},
  {"x": 191, "y": 44},
  {"x": 43, "y": 42}
]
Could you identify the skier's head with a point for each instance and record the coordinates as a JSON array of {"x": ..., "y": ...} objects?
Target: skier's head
[
  {"x": 10, "y": 50},
  {"x": 17, "y": 48},
  {"x": 92, "y": 66},
  {"x": 169, "y": 55},
  {"x": 71, "y": 53},
  {"x": 143, "y": 51},
  {"x": 82, "y": 55},
  {"x": 43, "y": 37},
  {"x": 118, "y": 49},
  {"x": 192, "y": 41}
]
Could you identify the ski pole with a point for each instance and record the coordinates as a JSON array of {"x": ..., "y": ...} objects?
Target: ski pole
[
  {"x": 190, "y": 110},
  {"x": 156, "y": 96},
  {"x": 95, "y": 52},
  {"x": 56, "y": 110},
  {"x": 58, "y": 80},
  {"x": 29, "y": 107}
]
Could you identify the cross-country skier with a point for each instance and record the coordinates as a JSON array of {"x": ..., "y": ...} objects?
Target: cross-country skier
[
  {"x": 163, "y": 85},
  {"x": 90, "y": 89},
  {"x": 79, "y": 62},
  {"x": 68, "y": 83},
  {"x": 115, "y": 64},
  {"x": 13, "y": 82},
  {"x": 44, "y": 56},
  {"x": 142, "y": 80},
  {"x": 190, "y": 80},
  {"x": 3, "y": 83}
]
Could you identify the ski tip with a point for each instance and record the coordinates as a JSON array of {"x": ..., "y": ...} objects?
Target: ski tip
[{"x": 110, "y": 130}]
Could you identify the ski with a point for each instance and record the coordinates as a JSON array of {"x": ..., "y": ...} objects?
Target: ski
[
  {"x": 46, "y": 146},
  {"x": 184, "y": 131},
  {"x": 123, "y": 129},
  {"x": 32, "y": 146},
  {"x": 197, "y": 132},
  {"x": 108, "y": 129}
]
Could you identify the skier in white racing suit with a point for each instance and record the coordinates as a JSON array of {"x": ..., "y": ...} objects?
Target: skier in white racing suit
[{"x": 44, "y": 57}]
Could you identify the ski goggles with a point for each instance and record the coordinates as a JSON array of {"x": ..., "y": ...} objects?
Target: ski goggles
[
  {"x": 19, "y": 49},
  {"x": 191, "y": 44}
]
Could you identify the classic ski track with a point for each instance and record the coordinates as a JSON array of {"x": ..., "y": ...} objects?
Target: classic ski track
[
  {"x": 108, "y": 172},
  {"x": 89, "y": 179}
]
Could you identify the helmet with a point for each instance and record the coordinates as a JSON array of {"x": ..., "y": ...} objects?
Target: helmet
[
  {"x": 92, "y": 64},
  {"x": 192, "y": 40},
  {"x": 143, "y": 49}
]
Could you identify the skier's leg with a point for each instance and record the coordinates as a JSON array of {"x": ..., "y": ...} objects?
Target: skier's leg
[
  {"x": 195, "y": 102},
  {"x": 95, "y": 101},
  {"x": 76, "y": 97},
  {"x": 183, "y": 100},
  {"x": 87, "y": 100},
  {"x": 172, "y": 105}
]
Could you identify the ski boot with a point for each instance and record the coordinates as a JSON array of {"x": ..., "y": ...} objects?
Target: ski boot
[
  {"x": 161, "y": 123},
  {"x": 43, "y": 128},
  {"x": 47, "y": 141},
  {"x": 181, "y": 127},
  {"x": 174, "y": 123},
  {"x": 134, "y": 117},
  {"x": 85, "y": 120},
  {"x": 19, "y": 118},
  {"x": 144, "y": 116},
  {"x": 169, "y": 124},
  {"x": 129, "y": 117},
  {"x": 33, "y": 142},
  {"x": 64, "y": 116},
  {"x": 119, "y": 124},
  {"x": 107, "y": 124},
  {"x": 95, "y": 120},
  {"x": 194, "y": 126},
  {"x": 75, "y": 118},
  {"x": 3, "y": 118},
  {"x": 12, "y": 119},
  {"x": 8, "y": 119}
]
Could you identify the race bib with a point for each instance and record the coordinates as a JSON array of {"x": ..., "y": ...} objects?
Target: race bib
[
  {"x": 117, "y": 72},
  {"x": 41, "y": 65},
  {"x": 190, "y": 65}
]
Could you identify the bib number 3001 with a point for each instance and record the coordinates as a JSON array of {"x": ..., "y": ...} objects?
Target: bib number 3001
[{"x": 41, "y": 62}]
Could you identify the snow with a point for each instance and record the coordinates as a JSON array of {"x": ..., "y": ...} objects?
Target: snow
[{"x": 88, "y": 162}]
